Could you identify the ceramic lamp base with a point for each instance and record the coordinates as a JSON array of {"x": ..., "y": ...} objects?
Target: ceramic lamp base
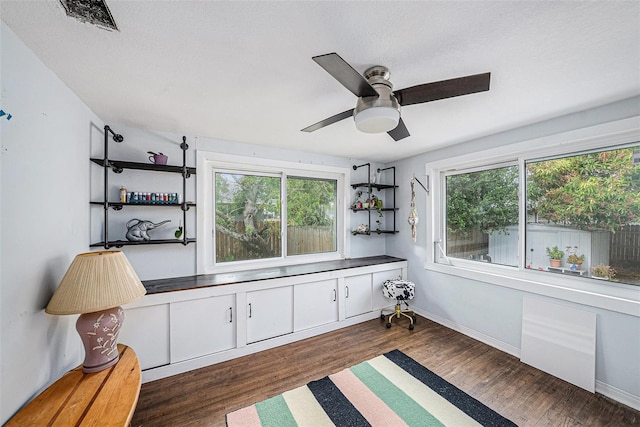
[{"x": 99, "y": 334}]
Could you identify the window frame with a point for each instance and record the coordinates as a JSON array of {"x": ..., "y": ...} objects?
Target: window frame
[
  {"x": 619, "y": 297},
  {"x": 443, "y": 194},
  {"x": 208, "y": 163}
]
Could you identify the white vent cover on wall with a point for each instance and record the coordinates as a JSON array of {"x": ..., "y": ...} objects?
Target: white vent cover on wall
[{"x": 559, "y": 340}]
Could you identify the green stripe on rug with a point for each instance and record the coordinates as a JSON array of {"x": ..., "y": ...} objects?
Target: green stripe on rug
[
  {"x": 274, "y": 412},
  {"x": 410, "y": 411},
  {"x": 438, "y": 406}
]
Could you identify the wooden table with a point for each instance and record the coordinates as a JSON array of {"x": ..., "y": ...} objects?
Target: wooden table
[{"x": 105, "y": 398}]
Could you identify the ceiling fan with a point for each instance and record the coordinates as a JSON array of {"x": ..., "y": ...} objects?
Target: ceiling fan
[{"x": 378, "y": 107}]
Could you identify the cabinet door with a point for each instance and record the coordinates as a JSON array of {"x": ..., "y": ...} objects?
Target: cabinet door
[
  {"x": 146, "y": 331},
  {"x": 315, "y": 304},
  {"x": 269, "y": 313},
  {"x": 357, "y": 295},
  {"x": 379, "y": 300},
  {"x": 203, "y": 326}
]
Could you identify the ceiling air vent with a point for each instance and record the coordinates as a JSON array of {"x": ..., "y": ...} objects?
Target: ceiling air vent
[{"x": 94, "y": 12}]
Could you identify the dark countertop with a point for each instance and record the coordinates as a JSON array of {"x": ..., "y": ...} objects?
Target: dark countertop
[{"x": 206, "y": 280}]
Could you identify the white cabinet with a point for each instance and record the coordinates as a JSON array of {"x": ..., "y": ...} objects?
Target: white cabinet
[
  {"x": 315, "y": 304},
  {"x": 269, "y": 313},
  {"x": 174, "y": 332},
  {"x": 357, "y": 295},
  {"x": 146, "y": 330},
  {"x": 202, "y": 326}
]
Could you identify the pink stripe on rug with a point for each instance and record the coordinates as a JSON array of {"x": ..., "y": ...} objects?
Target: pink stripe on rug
[
  {"x": 372, "y": 408},
  {"x": 245, "y": 417}
]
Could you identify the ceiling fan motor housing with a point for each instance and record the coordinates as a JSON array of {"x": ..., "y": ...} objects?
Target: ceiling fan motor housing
[{"x": 377, "y": 114}]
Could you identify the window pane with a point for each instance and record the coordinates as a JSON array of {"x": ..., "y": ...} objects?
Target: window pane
[
  {"x": 247, "y": 217},
  {"x": 482, "y": 215},
  {"x": 311, "y": 215},
  {"x": 588, "y": 208}
]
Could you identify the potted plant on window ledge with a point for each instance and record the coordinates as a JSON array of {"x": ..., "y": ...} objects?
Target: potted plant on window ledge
[
  {"x": 575, "y": 261},
  {"x": 555, "y": 256},
  {"x": 603, "y": 272}
]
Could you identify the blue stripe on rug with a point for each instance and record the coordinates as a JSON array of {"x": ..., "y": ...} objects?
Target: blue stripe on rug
[
  {"x": 335, "y": 404},
  {"x": 467, "y": 404}
]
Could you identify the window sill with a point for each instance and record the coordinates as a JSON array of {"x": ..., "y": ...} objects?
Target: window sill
[{"x": 620, "y": 298}]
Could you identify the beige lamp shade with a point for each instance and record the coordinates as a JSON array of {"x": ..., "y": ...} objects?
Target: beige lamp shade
[{"x": 96, "y": 281}]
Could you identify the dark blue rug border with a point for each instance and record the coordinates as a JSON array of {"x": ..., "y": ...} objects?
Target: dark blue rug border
[{"x": 467, "y": 404}]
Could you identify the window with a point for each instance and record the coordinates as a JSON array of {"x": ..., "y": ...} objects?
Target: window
[
  {"x": 582, "y": 208},
  {"x": 268, "y": 213},
  {"x": 481, "y": 214},
  {"x": 311, "y": 215},
  {"x": 585, "y": 211},
  {"x": 247, "y": 216}
]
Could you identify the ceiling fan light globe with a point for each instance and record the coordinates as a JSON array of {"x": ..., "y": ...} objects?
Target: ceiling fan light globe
[{"x": 377, "y": 119}]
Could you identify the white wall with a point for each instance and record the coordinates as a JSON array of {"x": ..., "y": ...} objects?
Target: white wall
[
  {"x": 45, "y": 222},
  {"x": 46, "y": 184},
  {"x": 162, "y": 261},
  {"x": 493, "y": 313}
]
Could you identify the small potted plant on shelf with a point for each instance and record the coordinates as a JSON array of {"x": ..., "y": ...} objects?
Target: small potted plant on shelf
[
  {"x": 555, "y": 256},
  {"x": 358, "y": 203},
  {"x": 604, "y": 272},
  {"x": 575, "y": 261},
  {"x": 361, "y": 229},
  {"x": 376, "y": 203}
]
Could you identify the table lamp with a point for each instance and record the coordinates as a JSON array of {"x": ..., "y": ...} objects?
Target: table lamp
[{"x": 94, "y": 286}]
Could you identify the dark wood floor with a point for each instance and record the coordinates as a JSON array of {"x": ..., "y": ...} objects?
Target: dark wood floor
[{"x": 521, "y": 393}]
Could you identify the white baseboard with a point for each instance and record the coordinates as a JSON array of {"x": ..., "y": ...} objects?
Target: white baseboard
[
  {"x": 507, "y": 348},
  {"x": 618, "y": 395},
  {"x": 604, "y": 389}
]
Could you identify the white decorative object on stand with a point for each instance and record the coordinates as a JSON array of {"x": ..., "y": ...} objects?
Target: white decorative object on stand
[{"x": 413, "y": 217}]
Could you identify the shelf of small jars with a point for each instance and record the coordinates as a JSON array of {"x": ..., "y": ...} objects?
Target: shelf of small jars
[{"x": 119, "y": 205}]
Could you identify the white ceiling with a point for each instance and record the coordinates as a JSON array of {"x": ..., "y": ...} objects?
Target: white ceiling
[{"x": 242, "y": 71}]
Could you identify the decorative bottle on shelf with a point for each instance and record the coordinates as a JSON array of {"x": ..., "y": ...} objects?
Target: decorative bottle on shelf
[{"x": 123, "y": 195}]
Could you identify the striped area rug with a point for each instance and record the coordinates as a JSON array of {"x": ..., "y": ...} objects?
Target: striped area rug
[{"x": 390, "y": 390}]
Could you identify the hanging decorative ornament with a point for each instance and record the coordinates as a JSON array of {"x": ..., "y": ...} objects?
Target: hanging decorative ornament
[{"x": 413, "y": 217}]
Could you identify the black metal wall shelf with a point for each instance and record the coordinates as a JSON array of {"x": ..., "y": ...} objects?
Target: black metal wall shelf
[
  {"x": 376, "y": 186},
  {"x": 118, "y": 205},
  {"x": 118, "y": 166},
  {"x": 369, "y": 186},
  {"x": 373, "y": 209},
  {"x": 121, "y": 243}
]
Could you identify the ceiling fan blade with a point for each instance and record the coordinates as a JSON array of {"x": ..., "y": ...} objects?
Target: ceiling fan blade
[
  {"x": 345, "y": 74},
  {"x": 329, "y": 121},
  {"x": 443, "y": 89},
  {"x": 399, "y": 132}
]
